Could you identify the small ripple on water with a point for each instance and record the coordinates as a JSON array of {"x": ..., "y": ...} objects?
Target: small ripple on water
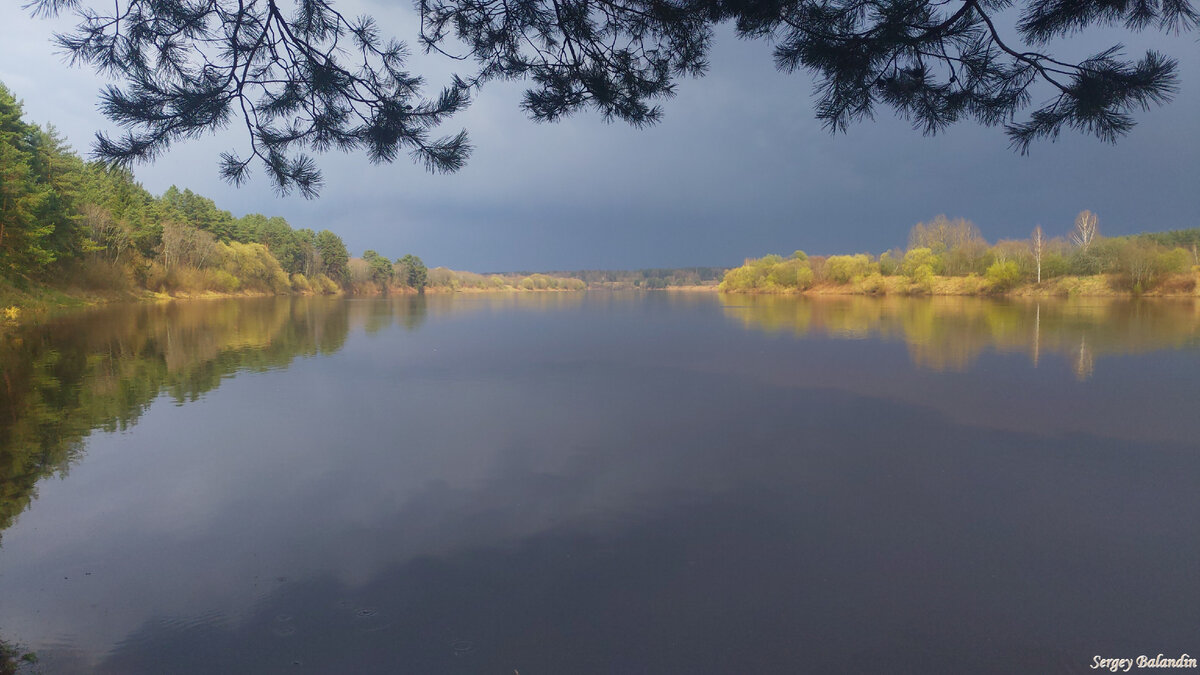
[
  {"x": 461, "y": 647},
  {"x": 370, "y": 620}
]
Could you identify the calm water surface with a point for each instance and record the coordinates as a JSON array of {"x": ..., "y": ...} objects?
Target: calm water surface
[{"x": 601, "y": 483}]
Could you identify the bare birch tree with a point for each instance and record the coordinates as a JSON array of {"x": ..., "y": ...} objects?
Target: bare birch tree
[
  {"x": 110, "y": 237},
  {"x": 185, "y": 245},
  {"x": 1039, "y": 245},
  {"x": 1086, "y": 229}
]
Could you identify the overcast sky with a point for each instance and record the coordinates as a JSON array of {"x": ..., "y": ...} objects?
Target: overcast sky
[{"x": 739, "y": 167}]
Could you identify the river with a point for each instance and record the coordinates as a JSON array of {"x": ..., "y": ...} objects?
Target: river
[{"x": 601, "y": 483}]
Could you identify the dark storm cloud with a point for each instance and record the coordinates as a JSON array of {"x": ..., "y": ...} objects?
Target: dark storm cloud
[{"x": 738, "y": 167}]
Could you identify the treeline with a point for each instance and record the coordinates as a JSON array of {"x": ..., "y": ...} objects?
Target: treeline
[
  {"x": 374, "y": 273},
  {"x": 651, "y": 278},
  {"x": 81, "y": 224},
  {"x": 70, "y": 224},
  {"x": 952, "y": 257},
  {"x": 201, "y": 248},
  {"x": 1188, "y": 239}
]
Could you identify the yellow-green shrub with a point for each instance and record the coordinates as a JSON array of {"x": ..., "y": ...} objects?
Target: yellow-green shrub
[
  {"x": 888, "y": 264},
  {"x": 280, "y": 282},
  {"x": 843, "y": 269},
  {"x": 253, "y": 266},
  {"x": 770, "y": 274},
  {"x": 1003, "y": 275},
  {"x": 917, "y": 258},
  {"x": 224, "y": 282},
  {"x": 922, "y": 278},
  {"x": 300, "y": 283},
  {"x": 325, "y": 285},
  {"x": 874, "y": 284}
]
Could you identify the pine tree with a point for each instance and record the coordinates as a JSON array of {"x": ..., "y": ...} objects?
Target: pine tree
[
  {"x": 24, "y": 239},
  {"x": 301, "y": 76}
]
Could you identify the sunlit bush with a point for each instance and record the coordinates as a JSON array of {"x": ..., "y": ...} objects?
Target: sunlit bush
[
  {"x": 224, "y": 282},
  {"x": 889, "y": 263},
  {"x": 253, "y": 266},
  {"x": 300, "y": 283},
  {"x": 842, "y": 269},
  {"x": 1003, "y": 275},
  {"x": 738, "y": 279},
  {"x": 922, "y": 279},
  {"x": 325, "y": 285},
  {"x": 874, "y": 284},
  {"x": 770, "y": 274},
  {"x": 918, "y": 259}
]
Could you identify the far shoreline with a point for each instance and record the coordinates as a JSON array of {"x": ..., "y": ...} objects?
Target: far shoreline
[
  {"x": 47, "y": 302},
  {"x": 1065, "y": 287}
]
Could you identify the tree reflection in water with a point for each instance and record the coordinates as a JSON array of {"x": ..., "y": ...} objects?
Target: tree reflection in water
[{"x": 949, "y": 333}]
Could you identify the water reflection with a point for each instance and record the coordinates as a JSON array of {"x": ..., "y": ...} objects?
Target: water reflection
[
  {"x": 101, "y": 370},
  {"x": 599, "y": 483},
  {"x": 949, "y": 333}
]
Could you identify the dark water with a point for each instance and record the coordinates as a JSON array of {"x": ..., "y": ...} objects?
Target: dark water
[{"x": 601, "y": 483}]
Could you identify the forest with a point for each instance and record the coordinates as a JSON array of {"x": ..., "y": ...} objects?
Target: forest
[
  {"x": 951, "y": 257},
  {"x": 72, "y": 229}
]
